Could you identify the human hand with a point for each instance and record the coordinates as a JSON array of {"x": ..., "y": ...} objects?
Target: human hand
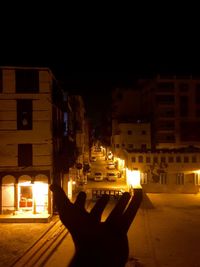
[{"x": 102, "y": 244}]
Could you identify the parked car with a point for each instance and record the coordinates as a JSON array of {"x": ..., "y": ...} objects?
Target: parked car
[
  {"x": 93, "y": 158},
  {"x": 111, "y": 165},
  {"x": 112, "y": 176},
  {"x": 98, "y": 176}
]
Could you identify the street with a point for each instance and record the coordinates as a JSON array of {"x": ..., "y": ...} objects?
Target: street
[{"x": 165, "y": 232}]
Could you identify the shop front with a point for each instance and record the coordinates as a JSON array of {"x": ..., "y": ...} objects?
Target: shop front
[{"x": 25, "y": 195}]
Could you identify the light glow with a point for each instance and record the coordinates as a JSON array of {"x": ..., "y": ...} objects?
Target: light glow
[
  {"x": 40, "y": 196},
  {"x": 69, "y": 192},
  {"x": 133, "y": 178}
]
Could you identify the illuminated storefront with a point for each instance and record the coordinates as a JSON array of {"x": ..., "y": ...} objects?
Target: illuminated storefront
[{"x": 28, "y": 196}]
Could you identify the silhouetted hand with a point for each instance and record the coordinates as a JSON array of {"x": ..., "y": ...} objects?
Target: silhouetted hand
[{"x": 102, "y": 244}]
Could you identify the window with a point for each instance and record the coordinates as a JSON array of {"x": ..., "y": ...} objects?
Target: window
[
  {"x": 25, "y": 155},
  {"x": 155, "y": 159},
  {"x": 133, "y": 159},
  {"x": 162, "y": 159},
  {"x": 1, "y": 82},
  {"x": 130, "y": 145},
  {"x": 143, "y": 146},
  {"x": 178, "y": 159},
  {"x": 171, "y": 159},
  {"x": 27, "y": 81},
  {"x": 24, "y": 114},
  {"x": 140, "y": 159},
  {"x": 165, "y": 87},
  {"x": 180, "y": 178},
  {"x": 165, "y": 99},
  {"x": 184, "y": 87},
  {"x": 163, "y": 178},
  {"x": 194, "y": 159},
  {"x": 184, "y": 106},
  {"x": 148, "y": 159},
  {"x": 117, "y": 145},
  {"x": 26, "y": 195},
  {"x": 186, "y": 159},
  {"x": 129, "y": 132},
  {"x": 144, "y": 132}
]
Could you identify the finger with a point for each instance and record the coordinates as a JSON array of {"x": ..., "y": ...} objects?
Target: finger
[
  {"x": 99, "y": 207},
  {"x": 118, "y": 210},
  {"x": 131, "y": 210},
  {"x": 61, "y": 200},
  {"x": 80, "y": 200}
]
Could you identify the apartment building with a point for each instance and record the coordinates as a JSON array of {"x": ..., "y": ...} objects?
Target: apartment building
[
  {"x": 172, "y": 104},
  {"x": 32, "y": 128}
]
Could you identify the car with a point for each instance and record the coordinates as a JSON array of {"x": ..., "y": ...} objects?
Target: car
[
  {"x": 111, "y": 165},
  {"x": 93, "y": 158},
  {"x": 98, "y": 176},
  {"x": 111, "y": 176}
]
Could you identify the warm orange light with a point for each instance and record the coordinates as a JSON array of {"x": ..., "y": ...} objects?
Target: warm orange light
[
  {"x": 133, "y": 178},
  {"x": 40, "y": 196},
  {"x": 69, "y": 192}
]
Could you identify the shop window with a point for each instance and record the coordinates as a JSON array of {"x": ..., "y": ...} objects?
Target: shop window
[{"x": 26, "y": 197}]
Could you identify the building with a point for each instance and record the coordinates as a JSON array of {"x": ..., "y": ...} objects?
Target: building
[
  {"x": 165, "y": 171},
  {"x": 170, "y": 107},
  {"x": 32, "y": 132},
  {"x": 81, "y": 133},
  {"x": 131, "y": 136},
  {"x": 172, "y": 104}
]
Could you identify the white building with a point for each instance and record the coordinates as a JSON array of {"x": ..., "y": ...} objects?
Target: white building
[{"x": 131, "y": 136}]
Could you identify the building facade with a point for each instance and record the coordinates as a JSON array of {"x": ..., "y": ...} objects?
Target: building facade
[
  {"x": 131, "y": 136},
  {"x": 170, "y": 107},
  {"x": 172, "y": 104},
  {"x": 31, "y": 139},
  {"x": 165, "y": 171}
]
